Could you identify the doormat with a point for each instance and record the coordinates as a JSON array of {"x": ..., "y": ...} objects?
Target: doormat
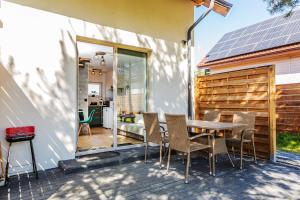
[
  {"x": 98, "y": 156},
  {"x": 123, "y": 144}
]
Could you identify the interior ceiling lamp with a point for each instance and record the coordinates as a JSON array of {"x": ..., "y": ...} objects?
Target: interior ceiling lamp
[
  {"x": 98, "y": 59},
  {"x": 98, "y": 70}
]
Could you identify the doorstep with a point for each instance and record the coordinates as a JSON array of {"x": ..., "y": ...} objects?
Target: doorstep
[{"x": 106, "y": 159}]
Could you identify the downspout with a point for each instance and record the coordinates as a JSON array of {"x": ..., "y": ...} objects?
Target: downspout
[{"x": 189, "y": 54}]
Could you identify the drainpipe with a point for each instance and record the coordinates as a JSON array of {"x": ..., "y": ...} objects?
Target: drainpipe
[{"x": 189, "y": 53}]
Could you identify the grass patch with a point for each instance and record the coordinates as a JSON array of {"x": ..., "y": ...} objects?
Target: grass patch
[{"x": 288, "y": 142}]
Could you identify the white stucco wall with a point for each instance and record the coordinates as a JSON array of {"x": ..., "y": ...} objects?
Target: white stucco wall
[
  {"x": 286, "y": 71},
  {"x": 38, "y": 78}
]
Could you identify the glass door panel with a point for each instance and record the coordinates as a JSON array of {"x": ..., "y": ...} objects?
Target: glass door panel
[{"x": 131, "y": 96}]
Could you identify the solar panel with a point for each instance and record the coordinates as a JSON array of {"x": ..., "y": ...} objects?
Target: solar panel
[{"x": 275, "y": 32}]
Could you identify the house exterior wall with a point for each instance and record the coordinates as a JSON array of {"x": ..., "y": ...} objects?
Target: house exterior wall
[
  {"x": 287, "y": 71},
  {"x": 38, "y": 64}
]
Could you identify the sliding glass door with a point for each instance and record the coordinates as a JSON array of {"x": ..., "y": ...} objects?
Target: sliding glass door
[{"x": 131, "y": 96}]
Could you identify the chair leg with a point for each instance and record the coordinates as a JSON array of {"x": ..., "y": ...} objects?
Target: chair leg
[
  {"x": 187, "y": 167},
  {"x": 146, "y": 151},
  {"x": 165, "y": 151},
  {"x": 209, "y": 161},
  {"x": 230, "y": 159},
  {"x": 241, "y": 165},
  {"x": 165, "y": 148},
  {"x": 213, "y": 163},
  {"x": 160, "y": 153},
  {"x": 254, "y": 151},
  {"x": 233, "y": 151},
  {"x": 79, "y": 130},
  {"x": 168, "y": 163}
]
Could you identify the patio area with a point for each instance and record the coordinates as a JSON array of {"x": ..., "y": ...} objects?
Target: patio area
[{"x": 138, "y": 180}]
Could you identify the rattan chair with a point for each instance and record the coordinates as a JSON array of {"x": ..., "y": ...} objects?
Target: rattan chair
[
  {"x": 180, "y": 141},
  {"x": 211, "y": 115},
  {"x": 219, "y": 142},
  {"x": 154, "y": 134},
  {"x": 240, "y": 136}
]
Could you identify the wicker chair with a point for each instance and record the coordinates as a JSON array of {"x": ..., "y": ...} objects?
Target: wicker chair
[
  {"x": 211, "y": 115},
  {"x": 154, "y": 133},
  {"x": 219, "y": 142},
  {"x": 180, "y": 141},
  {"x": 243, "y": 135}
]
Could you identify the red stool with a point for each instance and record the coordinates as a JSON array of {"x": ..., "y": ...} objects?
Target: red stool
[{"x": 20, "y": 134}]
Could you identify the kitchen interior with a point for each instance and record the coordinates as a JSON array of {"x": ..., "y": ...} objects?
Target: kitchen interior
[{"x": 95, "y": 98}]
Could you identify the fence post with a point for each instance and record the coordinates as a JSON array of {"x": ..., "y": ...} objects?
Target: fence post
[{"x": 272, "y": 113}]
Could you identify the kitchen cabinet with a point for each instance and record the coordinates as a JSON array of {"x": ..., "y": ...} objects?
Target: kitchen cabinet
[{"x": 98, "y": 117}]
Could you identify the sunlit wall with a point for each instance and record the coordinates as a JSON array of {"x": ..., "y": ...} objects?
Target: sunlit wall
[{"x": 38, "y": 65}]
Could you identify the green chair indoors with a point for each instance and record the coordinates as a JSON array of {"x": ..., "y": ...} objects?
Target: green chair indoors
[{"x": 87, "y": 122}]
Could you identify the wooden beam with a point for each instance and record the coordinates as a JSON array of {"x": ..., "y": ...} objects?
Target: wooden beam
[{"x": 272, "y": 112}]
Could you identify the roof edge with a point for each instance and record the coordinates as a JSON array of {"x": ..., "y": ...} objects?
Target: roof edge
[{"x": 249, "y": 56}]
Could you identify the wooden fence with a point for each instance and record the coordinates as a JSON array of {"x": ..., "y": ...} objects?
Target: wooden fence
[
  {"x": 288, "y": 108},
  {"x": 244, "y": 90}
]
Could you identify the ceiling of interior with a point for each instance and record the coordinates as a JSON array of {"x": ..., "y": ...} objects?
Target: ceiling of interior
[{"x": 88, "y": 50}]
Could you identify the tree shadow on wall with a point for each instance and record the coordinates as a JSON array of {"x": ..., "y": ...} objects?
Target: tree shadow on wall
[{"x": 50, "y": 108}]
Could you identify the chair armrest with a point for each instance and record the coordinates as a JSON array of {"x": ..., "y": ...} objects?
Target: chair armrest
[{"x": 201, "y": 135}]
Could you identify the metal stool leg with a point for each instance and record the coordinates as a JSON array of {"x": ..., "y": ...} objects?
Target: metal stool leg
[
  {"x": 7, "y": 164},
  {"x": 33, "y": 160}
]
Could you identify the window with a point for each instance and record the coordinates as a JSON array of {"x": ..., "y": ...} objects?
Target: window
[
  {"x": 131, "y": 83},
  {"x": 95, "y": 89}
]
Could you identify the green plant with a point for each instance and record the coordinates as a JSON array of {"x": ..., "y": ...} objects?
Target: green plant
[
  {"x": 288, "y": 142},
  {"x": 275, "y": 6}
]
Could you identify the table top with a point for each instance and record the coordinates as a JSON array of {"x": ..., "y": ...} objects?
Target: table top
[
  {"x": 210, "y": 125},
  {"x": 218, "y": 126}
]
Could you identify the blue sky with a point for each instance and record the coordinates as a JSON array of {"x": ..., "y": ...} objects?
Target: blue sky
[{"x": 214, "y": 26}]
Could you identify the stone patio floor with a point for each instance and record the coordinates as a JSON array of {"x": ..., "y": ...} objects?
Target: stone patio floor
[{"x": 138, "y": 180}]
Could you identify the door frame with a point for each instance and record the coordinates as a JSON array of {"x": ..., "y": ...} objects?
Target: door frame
[{"x": 115, "y": 47}]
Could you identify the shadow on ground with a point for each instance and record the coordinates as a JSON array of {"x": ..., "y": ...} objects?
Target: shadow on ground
[{"x": 138, "y": 180}]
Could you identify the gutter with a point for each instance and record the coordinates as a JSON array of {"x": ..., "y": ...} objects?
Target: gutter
[
  {"x": 189, "y": 43},
  {"x": 212, "y": 4}
]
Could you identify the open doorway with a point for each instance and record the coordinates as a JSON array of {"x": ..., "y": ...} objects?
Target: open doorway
[
  {"x": 111, "y": 97},
  {"x": 95, "y": 96}
]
